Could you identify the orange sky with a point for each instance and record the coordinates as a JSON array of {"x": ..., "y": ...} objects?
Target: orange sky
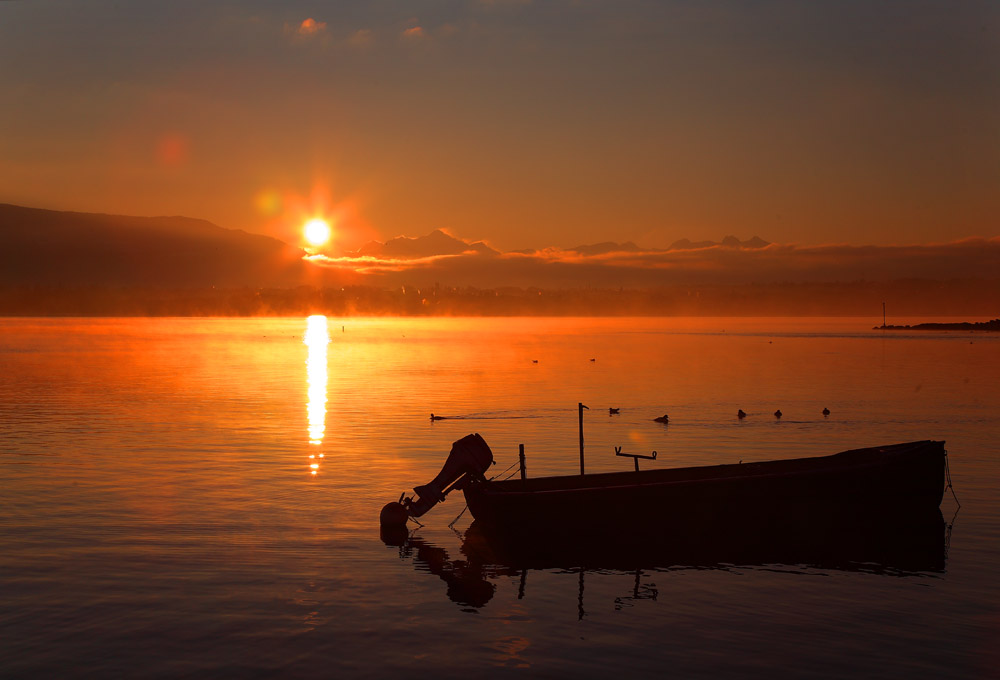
[{"x": 525, "y": 124}]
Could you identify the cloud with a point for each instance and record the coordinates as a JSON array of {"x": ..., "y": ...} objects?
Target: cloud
[
  {"x": 413, "y": 33},
  {"x": 310, "y": 27},
  {"x": 367, "y": 264},
  {"x": 438, "y": 242},
  {"x": 361, "y": 38},
  {"x": 440, "y": 257}
]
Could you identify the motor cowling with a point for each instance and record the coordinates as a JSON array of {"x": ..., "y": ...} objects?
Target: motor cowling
[{"x": 470, "y": 457}]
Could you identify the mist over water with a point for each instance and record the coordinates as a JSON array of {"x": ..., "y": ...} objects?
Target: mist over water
[{"x": 201, "y": 496}]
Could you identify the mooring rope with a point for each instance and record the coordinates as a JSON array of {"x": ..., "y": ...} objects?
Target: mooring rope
[
  {"x": 507, "y": 469},
  {"x": 504, "y": 470},
  {"x": 451, "y": 524},
  {"x": 947, "y": 476}
]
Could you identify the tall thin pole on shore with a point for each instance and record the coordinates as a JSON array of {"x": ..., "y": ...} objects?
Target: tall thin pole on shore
[{"x": 580, "y": 407}]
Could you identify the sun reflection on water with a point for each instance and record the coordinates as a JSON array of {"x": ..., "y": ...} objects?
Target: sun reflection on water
[{"x": 316, "y": 339}]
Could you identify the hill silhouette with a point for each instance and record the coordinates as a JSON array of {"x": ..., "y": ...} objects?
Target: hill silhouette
[
  {"x": 70, "y": 263},
  {"x": 48, "y": 247}
]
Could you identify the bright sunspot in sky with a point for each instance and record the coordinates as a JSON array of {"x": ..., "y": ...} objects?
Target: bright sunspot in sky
[{"x": 317, "y": 231}]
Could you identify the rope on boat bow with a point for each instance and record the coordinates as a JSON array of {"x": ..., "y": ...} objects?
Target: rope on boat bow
[
  {"x": 504, "y": 470},
  {"x": 451, "y": 525},
  {"x": 508, "y": 469},
  {"x": 947, "y": 476}
]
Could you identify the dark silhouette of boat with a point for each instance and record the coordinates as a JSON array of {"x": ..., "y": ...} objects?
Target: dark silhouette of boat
[
  {"x": 894, "y": 479},
  {"x": 888, "y": 478}
]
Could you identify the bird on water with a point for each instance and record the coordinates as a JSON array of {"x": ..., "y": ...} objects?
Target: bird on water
[
  {"x": 826, "y": 411},
  {"x": 741, "y": 414},
  {"x": 662, "y": 419},
  {"x": 612, "y": 411},
  {"x": 434, "y": 417},
  {"x": 777, "y": 414}
]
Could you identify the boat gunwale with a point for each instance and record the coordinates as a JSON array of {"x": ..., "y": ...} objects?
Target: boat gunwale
[{"x": 872, "y": 458}]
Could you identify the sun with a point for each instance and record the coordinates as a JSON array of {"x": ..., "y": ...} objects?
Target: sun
[{"x": 317, "y": 231}]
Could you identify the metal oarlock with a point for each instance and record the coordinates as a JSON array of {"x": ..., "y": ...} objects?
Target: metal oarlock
[{"x": 634, "y": 456}]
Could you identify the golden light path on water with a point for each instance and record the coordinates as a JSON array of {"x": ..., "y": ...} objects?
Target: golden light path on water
[{"x": 316, "y": 339}]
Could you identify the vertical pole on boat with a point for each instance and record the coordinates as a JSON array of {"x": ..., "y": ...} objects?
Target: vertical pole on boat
[
  {"x": 580, "y": 407},
  {"x": 520, "y": 455},
  {"x": 883, "y": 314}
]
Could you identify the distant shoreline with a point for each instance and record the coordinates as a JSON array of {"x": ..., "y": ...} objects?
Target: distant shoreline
[
  {"x": 946, "y": 301},
  {"x": 993, "y": 325}
]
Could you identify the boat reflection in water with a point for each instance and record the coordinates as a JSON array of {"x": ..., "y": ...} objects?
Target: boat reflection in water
[
  {"x": 467, "y": 579},
  {"x": 900, "y": 546}
]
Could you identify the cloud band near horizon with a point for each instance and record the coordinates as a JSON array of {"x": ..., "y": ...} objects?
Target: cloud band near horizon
[{"x": 477, "y": 265}]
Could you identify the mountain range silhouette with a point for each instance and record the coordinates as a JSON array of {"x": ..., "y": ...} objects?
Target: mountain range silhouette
[{"x": 48, "y": 247}]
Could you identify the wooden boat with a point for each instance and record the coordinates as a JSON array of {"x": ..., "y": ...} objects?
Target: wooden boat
[{"x": 896, "y": 478}]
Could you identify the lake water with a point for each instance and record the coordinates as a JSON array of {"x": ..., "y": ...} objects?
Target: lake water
[{"x": 201, "y": 496}]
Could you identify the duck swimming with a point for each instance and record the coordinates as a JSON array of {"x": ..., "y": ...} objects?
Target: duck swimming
[
  {"x": 662, "y": 419},
  {"x": 434, "y": 417},
  {"x": 826, "y": 411},
  {"x": 777, "y": 414},
  {"x": 612, "y": 411},
  {"x": 741, "y": 414}
]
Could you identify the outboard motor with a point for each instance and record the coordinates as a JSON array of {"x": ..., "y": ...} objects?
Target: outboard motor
[{"x": 470, "y": 457}]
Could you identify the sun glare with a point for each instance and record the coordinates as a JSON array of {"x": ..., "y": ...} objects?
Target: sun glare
[{"x": 317, "y": 231}]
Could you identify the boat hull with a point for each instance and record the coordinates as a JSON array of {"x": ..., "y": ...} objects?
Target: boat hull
[
  {"x": 900, "y": 478},
  {"x": 876, "y": 543}
]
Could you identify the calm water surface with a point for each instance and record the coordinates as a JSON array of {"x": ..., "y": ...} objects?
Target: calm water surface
[{"x": 200, "y": 497}]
